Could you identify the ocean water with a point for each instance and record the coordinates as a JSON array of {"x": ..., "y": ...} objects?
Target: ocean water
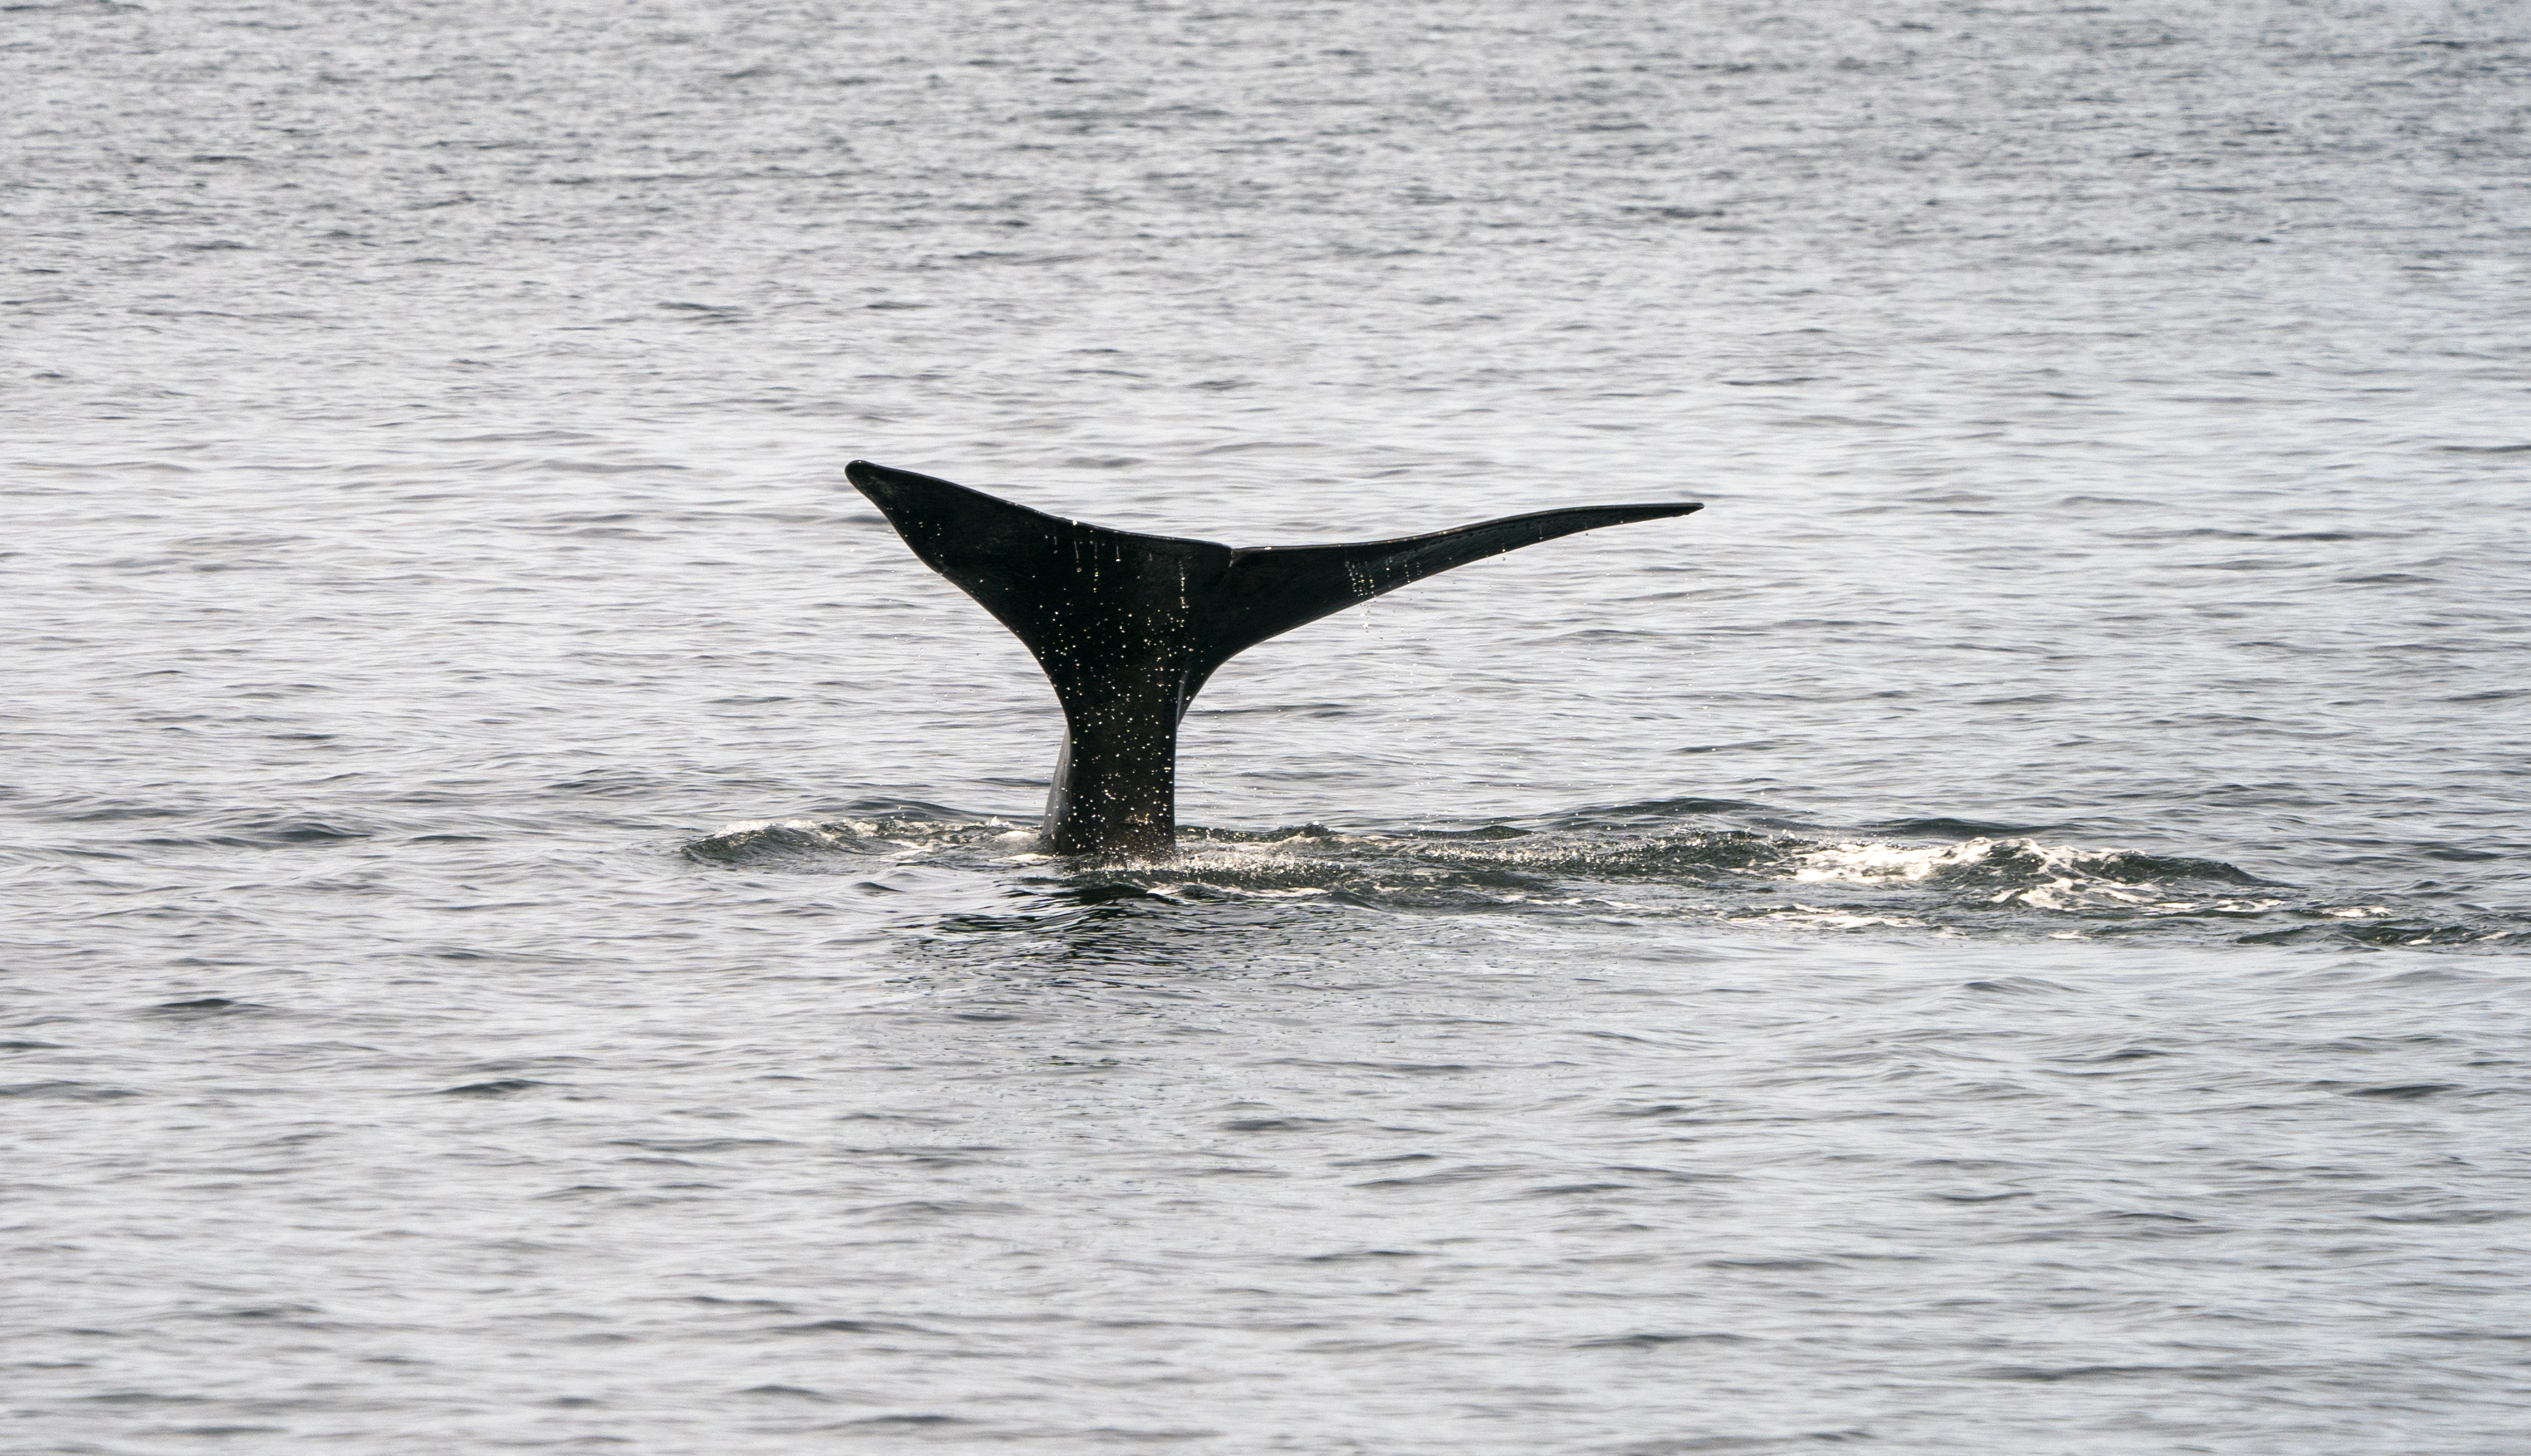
[{"x": 2005, "y": 934}]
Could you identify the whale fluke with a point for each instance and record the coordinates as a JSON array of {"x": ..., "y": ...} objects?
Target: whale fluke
[{"x": 1128, "y": 627}]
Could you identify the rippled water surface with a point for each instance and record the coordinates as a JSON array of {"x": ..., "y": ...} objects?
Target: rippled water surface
[{"x": 2005, "y": 933}]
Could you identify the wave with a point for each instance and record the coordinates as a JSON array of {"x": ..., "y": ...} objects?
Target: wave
[{"x": 1659, "y": 859}]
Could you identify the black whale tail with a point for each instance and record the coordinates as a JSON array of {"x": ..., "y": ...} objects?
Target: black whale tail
[{"x": 1128, "y": 627}]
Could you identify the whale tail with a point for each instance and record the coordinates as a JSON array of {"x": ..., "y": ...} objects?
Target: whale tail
[{"x": 1128, "y": 627}]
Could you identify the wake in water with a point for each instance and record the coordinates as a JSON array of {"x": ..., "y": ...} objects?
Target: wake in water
[{"x": 1667, "y": 861}]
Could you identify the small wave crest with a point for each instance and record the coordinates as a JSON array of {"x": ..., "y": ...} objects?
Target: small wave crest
[
  {"x": 2039, "y": 877},
  {"x": 893, "y": 828}
]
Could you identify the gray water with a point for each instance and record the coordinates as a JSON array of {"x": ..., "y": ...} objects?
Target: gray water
[{"x": 2005, "y": 934}]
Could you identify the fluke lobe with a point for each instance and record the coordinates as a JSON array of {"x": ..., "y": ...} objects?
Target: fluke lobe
[{"x": 1129, "y": 627}]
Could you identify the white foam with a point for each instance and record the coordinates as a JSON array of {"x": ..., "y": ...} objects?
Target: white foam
[
  {"x": 753, "y": 826},
  {"x": 1189, "y": 891},
  {"x": 1888, "y": 865},
  {"x": 2061, "y": 876},
  {"x": 1879, "y": 864},
  {"x": 1813, "y": 916}
]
